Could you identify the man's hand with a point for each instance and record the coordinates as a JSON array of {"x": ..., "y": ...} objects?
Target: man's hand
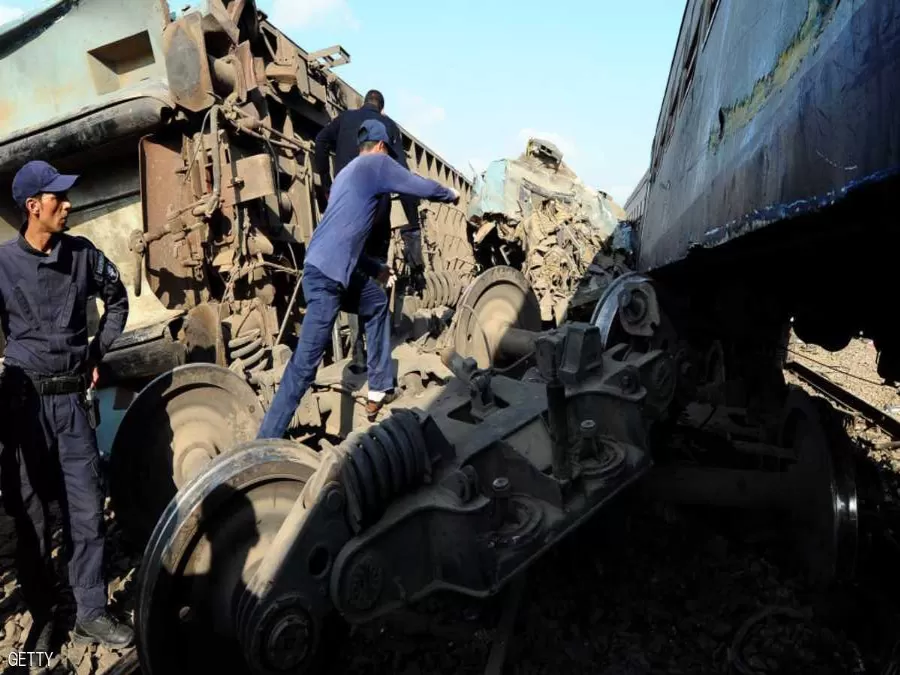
[
  {"x": 386, "y": 277},
  {"x": 95, "y": 376},
  {"x": 455, "y": 199}
]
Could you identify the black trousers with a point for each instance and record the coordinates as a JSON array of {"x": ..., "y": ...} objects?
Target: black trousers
[{"x": 48, "y": 452}]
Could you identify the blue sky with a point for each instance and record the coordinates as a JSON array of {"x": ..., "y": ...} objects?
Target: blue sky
[{"x": 474, "y": 79}]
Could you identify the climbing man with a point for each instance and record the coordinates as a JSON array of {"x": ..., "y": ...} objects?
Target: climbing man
[
  {"x": 48, "y": 443},
  {"x": 338, "y": 274},
  {"x": 339, "y": 137}
]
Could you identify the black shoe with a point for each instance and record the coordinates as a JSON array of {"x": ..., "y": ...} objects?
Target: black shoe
[
  {"x": 44, "y": 641},
  {"x": 105, "y": 629}
]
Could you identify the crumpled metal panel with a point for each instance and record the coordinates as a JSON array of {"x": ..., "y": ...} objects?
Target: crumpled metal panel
[
  {"x": 792, "y": 105},
  {"x": 537, "y": 205},
  {"x": 490, "y": 193}
]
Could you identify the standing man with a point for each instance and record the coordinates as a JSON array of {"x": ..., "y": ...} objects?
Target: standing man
[
  {"x": 337, "y": 275},
  {"x": 48, "y": 445},
  {"x": 339, "y": 137}
]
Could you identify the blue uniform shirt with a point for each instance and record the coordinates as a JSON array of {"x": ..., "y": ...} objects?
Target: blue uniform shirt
[
  {"x": 43, "y": 304},
  {"x": 336, "y": 247}
]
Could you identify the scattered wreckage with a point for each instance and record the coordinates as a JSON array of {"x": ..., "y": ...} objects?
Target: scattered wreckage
[
  {"x": 193, "y": 136},
  {"x": 535, "y": 214},
  {"x": 537, "y": 369}
]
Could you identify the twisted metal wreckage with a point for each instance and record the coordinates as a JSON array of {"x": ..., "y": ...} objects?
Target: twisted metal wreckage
[{"x": 535, "y": 366}]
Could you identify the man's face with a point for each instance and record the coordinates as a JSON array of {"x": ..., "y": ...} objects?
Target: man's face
[{"x": 50, "y": 211}]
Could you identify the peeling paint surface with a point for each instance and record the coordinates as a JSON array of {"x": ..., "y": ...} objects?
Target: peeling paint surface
[
  {"x": 790, "y": 107},
  {"x": 738, "y": 115}
]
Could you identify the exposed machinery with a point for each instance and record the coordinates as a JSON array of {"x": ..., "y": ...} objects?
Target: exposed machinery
[
  {"x": 263, "y": 557},
  {"x": 508, "y": 434},
  {"x": 193, "y": 135}
]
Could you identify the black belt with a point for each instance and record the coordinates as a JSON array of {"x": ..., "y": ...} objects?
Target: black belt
[{"x": 59, "y": 384}]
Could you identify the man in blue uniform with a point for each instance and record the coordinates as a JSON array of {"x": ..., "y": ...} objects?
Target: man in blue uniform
[
  {"x": 48, "y": 446},
  {"x": 338, "y": 274},
  {"x": 339, "y": 137}
]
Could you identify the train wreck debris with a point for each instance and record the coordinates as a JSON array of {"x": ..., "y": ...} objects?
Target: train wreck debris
[
  {"x": 541, "y": 372},
  {"x": 535, "y": 214},
  {"x": 204, "y": 199},
  {"x": 460, "y": 495}
]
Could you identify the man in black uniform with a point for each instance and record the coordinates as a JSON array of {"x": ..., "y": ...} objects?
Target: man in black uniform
[
  {"x": 340, "y": 137},
  {"x": 48, "y": 445}
]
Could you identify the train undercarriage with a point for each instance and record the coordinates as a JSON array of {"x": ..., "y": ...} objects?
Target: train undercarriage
[{"x": 269, "y": 553}]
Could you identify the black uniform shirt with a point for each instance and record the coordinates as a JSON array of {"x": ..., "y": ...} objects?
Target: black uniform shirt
[
  {"x": 340, "y": 137},
  {"x": 44, "y": 300}
]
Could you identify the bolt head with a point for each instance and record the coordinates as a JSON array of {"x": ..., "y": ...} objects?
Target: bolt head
[
  {"x": 500, "y": 484},
  {"x": 334, "y": 501}
]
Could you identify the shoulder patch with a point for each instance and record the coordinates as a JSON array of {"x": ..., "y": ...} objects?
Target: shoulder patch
[
  {"x": 112, "y": 273},
  {"x": 100, "y": 265},
  {"x": 104, "y": 269}
]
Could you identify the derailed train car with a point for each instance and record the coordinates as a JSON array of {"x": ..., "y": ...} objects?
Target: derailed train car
[
  {"x": 268, "y": 553},
  {"x": 773, "y": 170},
  {"x": 193, "y": 136},
  {"x": 770, "y": 206}
]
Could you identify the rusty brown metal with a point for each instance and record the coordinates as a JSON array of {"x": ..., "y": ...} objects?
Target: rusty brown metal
[
  {"x": 248, "y": 179},
  {"x": 184, "y": 46},
  {"x": 166, "y": 199}
]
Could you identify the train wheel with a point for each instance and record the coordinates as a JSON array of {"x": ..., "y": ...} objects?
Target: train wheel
[
  {"x": 496, "y": 300},
  {"x": 174, "y": 428},
  {"x": 824, "y": 495},
  {"x": 203, "y": 553}
]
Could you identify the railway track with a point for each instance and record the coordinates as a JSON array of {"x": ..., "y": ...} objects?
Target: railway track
[{"x": 845, "y": 398}]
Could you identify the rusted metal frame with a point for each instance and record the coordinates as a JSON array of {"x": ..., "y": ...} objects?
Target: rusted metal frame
[
  {"x": 450, "y": 546},
  {"x": 416, "y": 519}
]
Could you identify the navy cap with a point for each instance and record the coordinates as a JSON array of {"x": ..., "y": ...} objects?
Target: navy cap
[
  {"x": 374, "y": 131},
  {"x": 37, "y": 177}
]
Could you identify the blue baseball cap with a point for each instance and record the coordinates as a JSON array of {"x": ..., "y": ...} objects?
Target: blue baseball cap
[
  {"x": 374, "y": 131},
  {"x": 37, "y": 177}
]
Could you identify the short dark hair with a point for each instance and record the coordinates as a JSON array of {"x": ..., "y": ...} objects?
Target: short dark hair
[{"x": 374, "y": 97}]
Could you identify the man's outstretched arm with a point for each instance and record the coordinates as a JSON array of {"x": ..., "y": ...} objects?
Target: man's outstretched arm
[{"x": 394, "y": 178}]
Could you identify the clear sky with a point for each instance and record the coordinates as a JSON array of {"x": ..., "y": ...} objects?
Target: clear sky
[{"x": 474, "y": 79}]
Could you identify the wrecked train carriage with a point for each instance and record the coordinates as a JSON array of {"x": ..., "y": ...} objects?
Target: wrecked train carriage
[
  {"x": 193, "y": 135},
  {"x": 772, "y": 180},
  {"x": 769, "y": 206},
  {"x": 535, "y": 214}
]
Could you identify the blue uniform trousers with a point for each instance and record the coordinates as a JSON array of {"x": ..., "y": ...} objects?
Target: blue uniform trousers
[
  {"x": 48, "y": 452},
  {"x": 324, "y": 299}
]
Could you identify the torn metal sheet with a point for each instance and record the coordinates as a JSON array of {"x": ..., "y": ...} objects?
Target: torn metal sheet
[{"x": 535, "y": 212}]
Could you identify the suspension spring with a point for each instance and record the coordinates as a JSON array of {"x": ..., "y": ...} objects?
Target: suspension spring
[
  {"x": 442, "y": 288},
  {"x": 248, "y": 348},
  {"x": 382, "y": 463}
]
